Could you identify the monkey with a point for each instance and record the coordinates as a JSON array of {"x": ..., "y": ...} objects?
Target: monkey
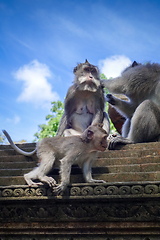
[
  {"x": 140, "y": 83},
  {"x": 75, "y": 149},
  {"x": 84, "y": 103}
]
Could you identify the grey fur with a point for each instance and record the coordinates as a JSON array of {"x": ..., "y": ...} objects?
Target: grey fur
[
  {"x": 66, "y": 151},
  {"x": 141, "y": 84},
  {"x": 84, "y": 102},
  {"x": 15, "y": 147}
]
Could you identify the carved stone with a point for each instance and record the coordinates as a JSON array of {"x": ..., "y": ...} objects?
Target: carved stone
[{"x": 117, "y": 210}]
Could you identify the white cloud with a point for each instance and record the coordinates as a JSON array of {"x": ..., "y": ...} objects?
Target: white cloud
[
  {"x": 36, "y": 89},
  {"x": 113, "y": 66},
  {"x": 14, "y": 120}
]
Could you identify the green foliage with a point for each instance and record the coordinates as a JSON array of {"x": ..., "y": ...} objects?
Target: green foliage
[
  {"x": 112, "y": 128},
  {"x": 103, "y": 76},
  {"x": 2, "y": 138},
  {"x": 50, "y": 128}
]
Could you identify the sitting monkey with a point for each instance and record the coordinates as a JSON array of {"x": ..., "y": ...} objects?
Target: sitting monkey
[
  {"x": 141, "y": 84},
  {"x": 68, "y": 150},
  {"x": 84, "y": 102}
]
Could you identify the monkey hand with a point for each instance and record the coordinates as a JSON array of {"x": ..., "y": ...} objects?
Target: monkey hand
[
  {"x": 49, "y": 180},
  {"x": 115, "y": 140},
  {"x": 110, "y": 99},
  {"x": 59, "y": 189}
]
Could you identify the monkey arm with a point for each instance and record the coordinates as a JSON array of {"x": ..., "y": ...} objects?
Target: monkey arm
[
  {"x": 70, "y": 102},
  {"x": 115, "y": 85},
  {"x": 62, "y": 125},
  {"x": 87, "y": 173},
  {"x": 99, "y": 102},
  {"x": 126, "y": 108},
  {"x": 98, "y": 118},
  {"x": 68, "y": 110}
]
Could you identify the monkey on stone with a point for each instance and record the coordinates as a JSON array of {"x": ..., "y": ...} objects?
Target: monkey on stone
[
  {"x": 141, "y": 84},
  {"x": 80, "y": 149},
  {"x": 84, "y": 102}
]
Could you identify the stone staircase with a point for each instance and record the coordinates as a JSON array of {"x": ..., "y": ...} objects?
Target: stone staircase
[
  {"x": 126, "y": 207},
  {"x": 135, "y": 162}
]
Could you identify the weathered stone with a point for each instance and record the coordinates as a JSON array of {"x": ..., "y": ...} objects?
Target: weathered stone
[{"x": 126, "y": 207}]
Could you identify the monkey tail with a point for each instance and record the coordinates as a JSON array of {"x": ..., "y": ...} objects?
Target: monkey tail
[{"x": 15, "y": 147}]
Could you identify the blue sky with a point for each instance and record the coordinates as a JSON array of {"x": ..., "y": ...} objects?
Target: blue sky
[{"x": 41, "y": 41}]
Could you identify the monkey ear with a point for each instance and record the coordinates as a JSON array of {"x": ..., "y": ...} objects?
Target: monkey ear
[
  {"x": 87, "y": 135},
  {"x": 75, "y": 70},
  {"x": 90, "y": 134},
  {"x": 100, "y": 125},
  {"x": 86, "y": 62},
  {"x": 134, "y": 64}
]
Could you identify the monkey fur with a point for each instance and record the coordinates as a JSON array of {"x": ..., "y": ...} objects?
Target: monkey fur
[
  {"x": 84, "y": 103},
  {"x": 141, "y": 84},
  {"x": 80, "y": 149}
]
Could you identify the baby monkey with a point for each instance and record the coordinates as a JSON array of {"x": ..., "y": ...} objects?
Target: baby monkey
[{"x": 80, "y": 149}]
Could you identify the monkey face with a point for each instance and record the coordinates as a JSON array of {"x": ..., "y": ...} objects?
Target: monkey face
[
  {"x": 103, "y": 143},
  {"x": 87, "y": 77}
]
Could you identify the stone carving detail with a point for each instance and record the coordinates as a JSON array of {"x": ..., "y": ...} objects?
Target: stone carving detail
[
  {"x": 81, "y": 211},
  {"x": 96, "y": 190}
]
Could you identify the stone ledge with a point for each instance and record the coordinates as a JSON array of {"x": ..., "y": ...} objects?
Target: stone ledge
[
  {"x": 129, "y": 211},
  {"x": 84, "y": 190}
]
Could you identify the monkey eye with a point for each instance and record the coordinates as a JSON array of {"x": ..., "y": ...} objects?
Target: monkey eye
[
  {"x": 105, "y": 138},
  {"x": 87, "y": 69},
  {"x": 93, "y": 71}
]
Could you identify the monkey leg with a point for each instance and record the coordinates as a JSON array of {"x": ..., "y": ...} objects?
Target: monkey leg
[
  {"x": 145, "y": 123},
  {"x": 47, "y": 160},
  {"x": 106, "y": 124},
  {"x": 87, "y": 170},
  {"x": 65, "y": 171},
  {"x": 32, "y": 175},
  {"x": 71, "y": 132}
]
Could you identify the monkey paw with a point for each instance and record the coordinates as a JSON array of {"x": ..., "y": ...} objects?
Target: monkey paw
[
  {"x": 49, "y": 180},
  {"x": 59, "y": 189},
  {"x": 110, "y": 99},
  {"x": 118, "y": 140}
]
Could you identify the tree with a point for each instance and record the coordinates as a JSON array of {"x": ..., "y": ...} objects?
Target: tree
[
  {"x": 50, "y": 128},
  {"x": 112, "y": 128},
  {"x": 2, "y": 138}
]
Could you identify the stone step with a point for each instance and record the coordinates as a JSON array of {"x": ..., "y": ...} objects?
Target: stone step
[
  {"x": 19, "y": 162},
  {"x": 117, "y": 154},
  {"x": 78, "y": 178},
  {"x": 129, "y": 153},
  {"x": 12, "y": 153},
  {"x": 17, "y": 165},
  {"x": 55, "y": 171},
  {"x": 140, "y": 149},
  {"x": 18, "y": 158},
  {"x": 126, "y": 161},
  {"x": 134, "y": 162},
  {"x": 147, "y": 167},
  {"x": 21, "y": 146},
  {"x": 32, "y": 146}
]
